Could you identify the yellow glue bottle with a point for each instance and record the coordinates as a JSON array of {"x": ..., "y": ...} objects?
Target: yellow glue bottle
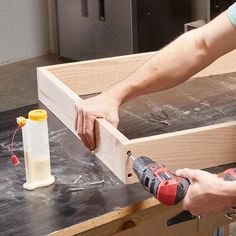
[{"x": 36, "y": 149}]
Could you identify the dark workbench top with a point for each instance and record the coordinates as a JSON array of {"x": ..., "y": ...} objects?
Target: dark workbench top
[
  {"x": 197, "y": 102},
  {"x": 49, "y": 209},
  {"x": 52, "y": 208}
]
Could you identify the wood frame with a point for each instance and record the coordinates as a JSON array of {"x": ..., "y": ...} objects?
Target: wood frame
[{"x": 59, "y": 88}]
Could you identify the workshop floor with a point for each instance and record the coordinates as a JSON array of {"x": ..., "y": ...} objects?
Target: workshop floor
[{"x": 18, "y": 84}]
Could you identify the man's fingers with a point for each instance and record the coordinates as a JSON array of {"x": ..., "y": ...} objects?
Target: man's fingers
[
  {"x": 87, "y": 111},
  {"x": 187, "y": 173},
  {"x": 84, "y": 126},
  {"x": 88, "y": 130},
  {"x": 76, "y": 117},
  {"x": 80, "y": 124}
]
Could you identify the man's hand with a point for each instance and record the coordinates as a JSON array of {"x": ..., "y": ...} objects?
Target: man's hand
[
  {"x": 87, "y": 111},
  {"x": 206, "y": 194}
]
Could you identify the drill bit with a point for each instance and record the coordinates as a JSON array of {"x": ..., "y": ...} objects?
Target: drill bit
[{"x": 131, "y": 155}]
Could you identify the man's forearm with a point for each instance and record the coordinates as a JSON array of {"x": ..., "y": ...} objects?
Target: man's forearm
[
  {"x": 177, "y": 62},
  {"x": 165, "y": 69},
  {"x": 229, "y": 191}
]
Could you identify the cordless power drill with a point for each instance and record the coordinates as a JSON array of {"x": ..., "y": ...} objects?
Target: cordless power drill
[
  {"x": 230, "y": 174},
  {"x": 166, "y": 187}
]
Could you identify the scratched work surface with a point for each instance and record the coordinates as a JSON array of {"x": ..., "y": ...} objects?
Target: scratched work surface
[
  {"x": 195, "y": 103},
  {"x": 46, "y": 210},
  {"x": 53, "y": 208}
]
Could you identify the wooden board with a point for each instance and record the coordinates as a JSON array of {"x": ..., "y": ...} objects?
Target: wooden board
[
  {"x": 209, "y": 223},
  {"x": 145, "y": 218},
  {"x": 61, "y": 100},
  {"x": 139, "y": 219},
  {"x": 96, "y": 75},
  {"x": 194, "y": 148}
]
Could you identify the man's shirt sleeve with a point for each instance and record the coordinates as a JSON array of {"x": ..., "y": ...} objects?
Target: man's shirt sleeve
[{"x": 232, "y": 14}]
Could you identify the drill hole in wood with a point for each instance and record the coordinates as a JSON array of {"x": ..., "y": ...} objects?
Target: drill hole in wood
[{"x": 127, "y": 225}]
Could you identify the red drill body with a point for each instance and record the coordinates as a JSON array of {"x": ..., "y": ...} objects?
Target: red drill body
[
  {"x": 230, "y": 174},
  {"x": 158, "y": 180},
  {"x": 168, "y": 188}
]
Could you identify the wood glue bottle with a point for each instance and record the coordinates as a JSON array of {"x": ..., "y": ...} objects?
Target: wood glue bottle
[{"x": 36, "y": 149}]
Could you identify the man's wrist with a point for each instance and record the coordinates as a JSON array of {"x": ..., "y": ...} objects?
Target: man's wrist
[
  {"x": 229, "y": 191},
  {"x": 119, "y": 93},
  {"x": 113, "y": 96}
]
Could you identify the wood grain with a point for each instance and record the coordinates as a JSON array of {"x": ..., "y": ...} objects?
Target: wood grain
[
  {"x": 194, "y": 148},
  {"x": 110, "y": 148},
  {"x": 209, "y": 223},
  {"x": 61, "y": 100},
  {"x": 144, "y": 218},
  {"x": 97, "y": 75},
  {"x": 200, "y": 148},
  {"x": 57, "y": 97}
]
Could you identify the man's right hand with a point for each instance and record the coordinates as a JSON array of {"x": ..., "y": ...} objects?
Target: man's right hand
[{"x": 87, "y": 111}]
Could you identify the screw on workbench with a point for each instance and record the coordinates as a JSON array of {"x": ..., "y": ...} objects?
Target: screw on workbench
[
  {"x": 80, "y": 176},
  {"x": 76, "y": 189},
  {"x": 98, "y": 182}
]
